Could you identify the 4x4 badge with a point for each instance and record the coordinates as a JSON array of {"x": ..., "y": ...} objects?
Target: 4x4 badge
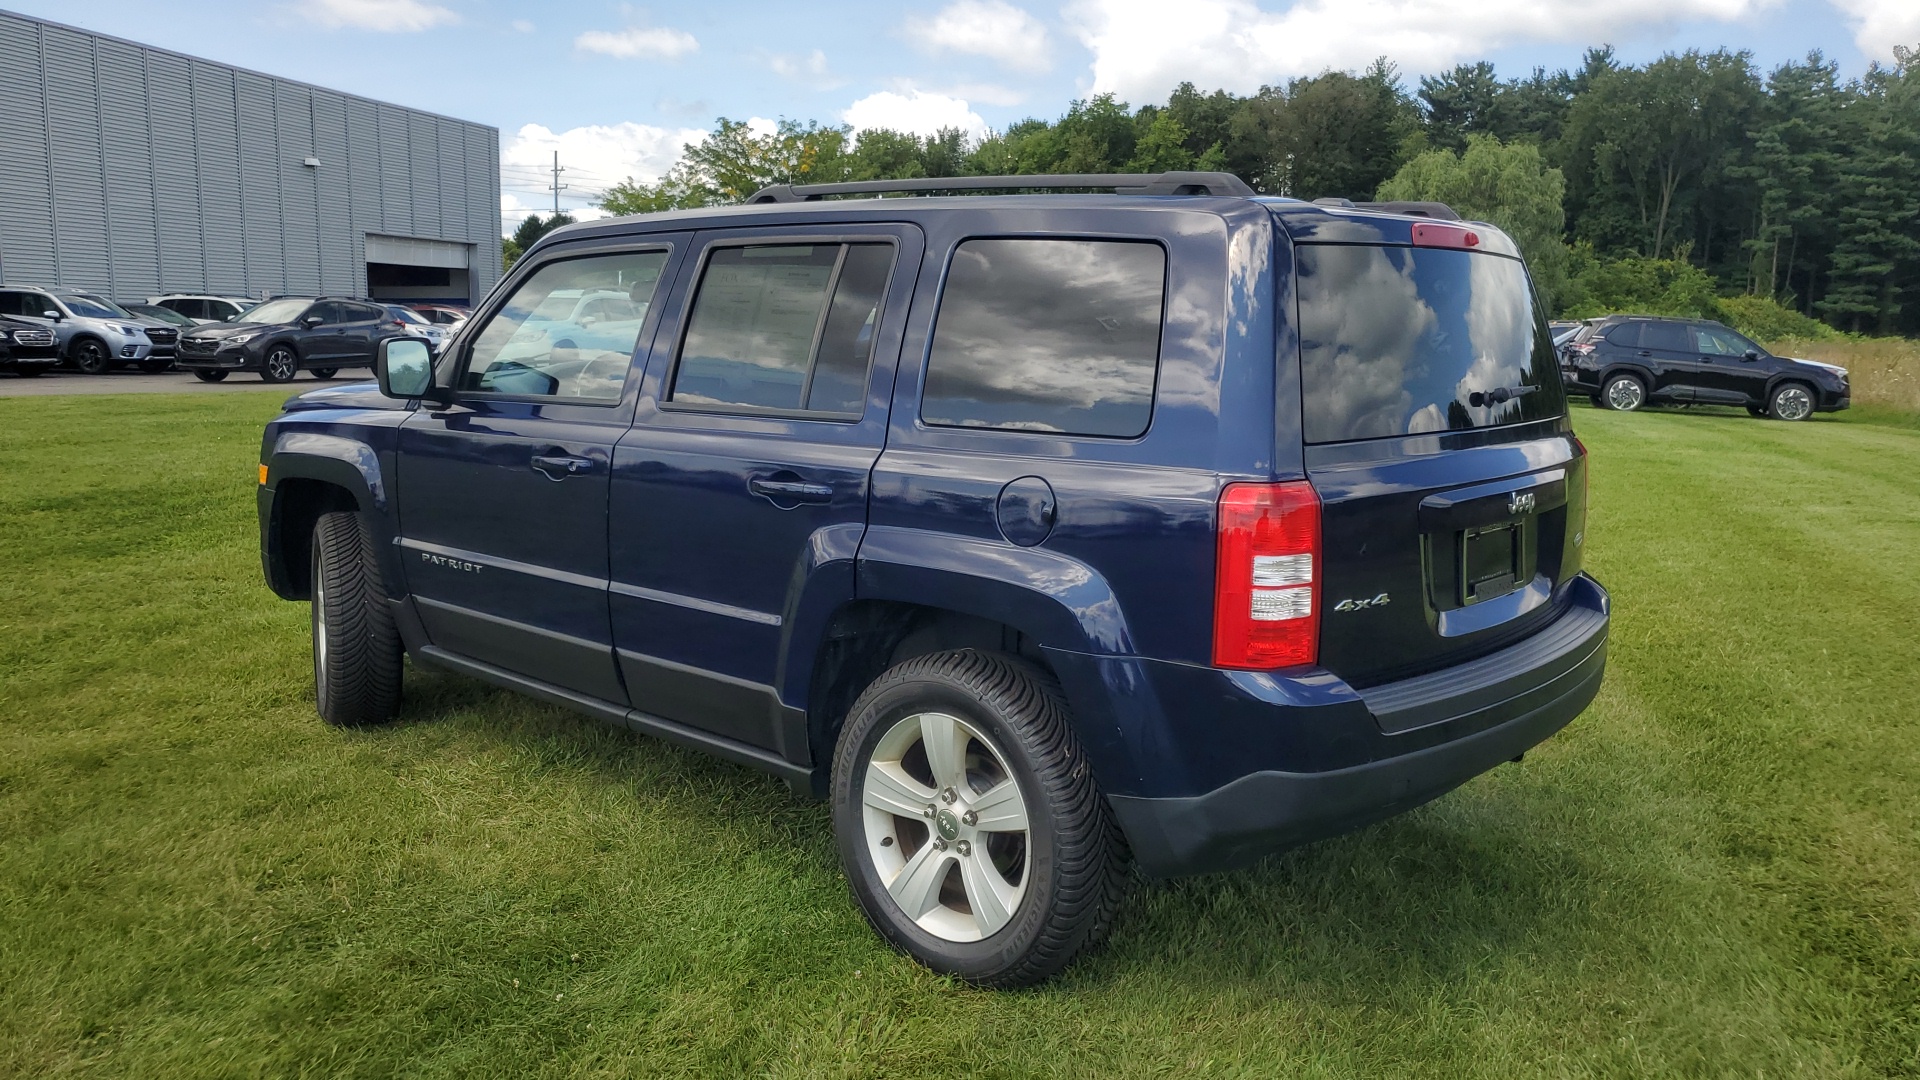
[
  {"x": 1362, "y": 605},
  {"x": 1520, "y": 502}
]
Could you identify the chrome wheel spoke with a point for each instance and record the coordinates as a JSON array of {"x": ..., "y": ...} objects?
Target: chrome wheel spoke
[
  {"x": 946, "y": 742},
  {"x": 917, "y": 887},
  {"x": 991, "y": 896},
  {"x": 890, "y": 789},
  {"x": 1001, "y": 809}
]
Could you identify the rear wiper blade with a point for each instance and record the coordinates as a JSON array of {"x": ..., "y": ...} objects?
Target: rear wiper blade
[{"x": 1482, "y": 398}]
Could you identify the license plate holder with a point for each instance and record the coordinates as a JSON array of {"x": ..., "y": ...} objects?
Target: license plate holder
[{"x": 1489, "y": 562}]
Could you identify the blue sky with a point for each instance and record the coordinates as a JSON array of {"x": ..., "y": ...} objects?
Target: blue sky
[{"x": 617, "y": 88}]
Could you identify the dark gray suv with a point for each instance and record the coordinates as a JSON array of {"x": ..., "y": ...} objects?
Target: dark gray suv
[{"x": 1624, "y": 362}]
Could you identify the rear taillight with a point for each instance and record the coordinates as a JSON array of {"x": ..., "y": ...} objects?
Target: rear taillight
[{"x": 1266, "y": 586}]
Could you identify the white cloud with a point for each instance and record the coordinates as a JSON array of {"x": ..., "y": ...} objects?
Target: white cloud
[
  {"x": 1879, "y": 25},
  {"x": 595, "y": 157},
  {"x": 389, "y": 16},
  {"x": 522, "y": 26},
  {"x": 990, "y": 28},
  {"x": 636, "y": 42},
  {"x": 1141, "y": 50},
  {"x": 810, "y": 69},
  {"x": 913, "y": 111}
]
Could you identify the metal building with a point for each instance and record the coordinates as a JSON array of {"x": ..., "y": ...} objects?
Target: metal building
[{"x": 129, "y": 171}]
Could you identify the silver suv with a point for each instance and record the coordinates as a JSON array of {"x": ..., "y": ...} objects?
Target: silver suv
[
  {"x": 204, "y": 307},
  {"x": 93, "y": 333}
]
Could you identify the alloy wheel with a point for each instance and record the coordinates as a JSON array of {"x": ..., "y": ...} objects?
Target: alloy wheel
[
  {"x": 1625, "y": 395},
  {"x": 946, "y": 826},
  {"x": 281, "y": 366},
  {"x": 1792, "y": 403}
]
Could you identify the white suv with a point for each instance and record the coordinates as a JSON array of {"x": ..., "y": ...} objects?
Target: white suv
[{"x": 93, "y": 333}]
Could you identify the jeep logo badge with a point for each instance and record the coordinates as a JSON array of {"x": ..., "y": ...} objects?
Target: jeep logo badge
[{"x": 1520, "y": 502}]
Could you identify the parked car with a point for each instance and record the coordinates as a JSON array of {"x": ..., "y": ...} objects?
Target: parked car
[
  {"x": 1034, "y": 532},
  {"x": 1625, "y": 362},
  {"x": 93, "y": 333},
  {"x": 160, "y": 314},
  {"x": 441, "y": 314},
  {"x": 416, "y": 324},
  {"x": 204, "y": 308},
  {"x": 26, "y": 349},
  {"x": 287, "y": 335}
]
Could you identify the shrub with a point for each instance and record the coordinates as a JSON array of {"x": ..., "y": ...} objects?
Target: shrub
[{"x": 1761, "y": 319}]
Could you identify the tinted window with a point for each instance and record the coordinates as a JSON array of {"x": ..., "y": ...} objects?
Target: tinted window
[
  {"x": 1048, "y": 335},
  {"x": 1666, "y": 336},
  {"x": 13, "y": 303},
  {"x": 764, "y": 335},
  {"x": 533, "y": 346},
  {"x": 1626, "y": 334},
  {"x": 361, "y": 313},
  {"x": 1399, "y": 341}
]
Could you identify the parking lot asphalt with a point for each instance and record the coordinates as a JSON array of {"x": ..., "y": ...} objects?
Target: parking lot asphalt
[{"x": 56, "y": 383}]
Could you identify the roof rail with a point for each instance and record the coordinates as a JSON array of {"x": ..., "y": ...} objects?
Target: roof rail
[
  {"x": 1437, "y": 210},
  {"x": 1166, "y": 183}
]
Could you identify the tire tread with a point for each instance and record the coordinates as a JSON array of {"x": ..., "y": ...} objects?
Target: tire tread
[{"x": 364, "y": 666}]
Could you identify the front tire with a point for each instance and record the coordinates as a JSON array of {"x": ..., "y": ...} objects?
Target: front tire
[
  {"x": 1624, "y": 393},
  {"x": 1790, "y": 401},
  {"x": 90, "y": 357},
  {"x": 968, "y": 822},
  {"x": 210, "y": 376},
  {"x": 280, "y": 366},
  {"x": 325, "y": 372},
  {"x": 356, "y": 647}
]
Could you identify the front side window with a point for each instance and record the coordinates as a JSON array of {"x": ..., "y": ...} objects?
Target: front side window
[
  {"x": 1713, "y": 341},
  {"x": 784, "y": 327},
  {"x": 543, "y": 344},
  {"x": 1048, "y": 335}
]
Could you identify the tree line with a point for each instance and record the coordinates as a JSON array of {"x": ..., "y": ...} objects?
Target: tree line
[{"x": 1692, "y": 184}]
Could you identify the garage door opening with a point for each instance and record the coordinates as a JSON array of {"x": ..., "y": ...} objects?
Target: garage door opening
[{"x": 411, "y": 270}]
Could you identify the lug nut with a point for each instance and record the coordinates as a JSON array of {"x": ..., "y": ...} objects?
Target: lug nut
[
  {"x": 963, "y": 848},
  {"x": 969, "y": 818},
  {"x": 929, "y": 811},
  {"x": 948, "y": 796},
  {"x": 939, "y": 845}
]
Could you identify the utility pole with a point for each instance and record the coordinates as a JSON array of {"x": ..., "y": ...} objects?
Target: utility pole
[{"x": 558, "y": 187}]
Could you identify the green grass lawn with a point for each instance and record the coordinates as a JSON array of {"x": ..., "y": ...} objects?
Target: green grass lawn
[{"x": 1714, "y": 871}]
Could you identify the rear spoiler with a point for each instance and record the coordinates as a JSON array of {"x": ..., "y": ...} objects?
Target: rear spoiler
[{"x": 1439, "y": 211}]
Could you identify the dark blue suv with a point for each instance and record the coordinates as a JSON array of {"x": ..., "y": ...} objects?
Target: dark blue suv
[{"x": 1046, "y": 535}]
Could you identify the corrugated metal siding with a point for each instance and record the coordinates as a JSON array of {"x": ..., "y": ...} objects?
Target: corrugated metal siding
[
  {"x": 134, "y": 170},
  {"x": 26, "y": 185}
]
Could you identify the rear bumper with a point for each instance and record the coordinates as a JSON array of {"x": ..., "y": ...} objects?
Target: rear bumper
[{"x": 1432, "y": 734}]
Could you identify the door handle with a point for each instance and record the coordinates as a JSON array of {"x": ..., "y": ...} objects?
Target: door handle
[
  {"x": 790, "y": 491},
  {"x": 561, "y": 466},
  {"x": 1644, "y": 352}
]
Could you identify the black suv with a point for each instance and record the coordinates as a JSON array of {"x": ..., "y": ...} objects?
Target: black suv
[
  {"x": 1626, "y": 361},
  {"x": 1039, "y": 533},
  {"x": 26, "y": 349},
  {"x": 289, "y": 334}
]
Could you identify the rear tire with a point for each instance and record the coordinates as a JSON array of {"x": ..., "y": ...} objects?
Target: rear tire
[
  {"x": 325, "y": 372},
  {"x": 280, "y": 366},
  {"x": 357, "y": 655},
  {"x": 968, "y": 822},
  {"x": 1624, "y": 393},
  {"x": 1790, "y": 401},
  {"x": 90, "y": 356},
  {"x": 210, "y": 376}
]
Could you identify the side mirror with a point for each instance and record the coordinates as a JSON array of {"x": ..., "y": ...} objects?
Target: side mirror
[
  {"x": 311, "y": 321},
  {"x": 404, "y": 367},
  {"x": 54, "y": 315},
  {"x": 1752, "y": 354}
]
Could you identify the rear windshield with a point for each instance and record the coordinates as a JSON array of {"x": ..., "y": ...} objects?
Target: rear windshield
[{"x": 1401, "y": 341}]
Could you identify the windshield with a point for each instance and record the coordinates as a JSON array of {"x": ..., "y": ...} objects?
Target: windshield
[
  {"x": 1405, "y": 341},
  {"x": 274, "y": 312},
  {"x": 165, "y": 315},
  {"x": 93, "y": 307}
]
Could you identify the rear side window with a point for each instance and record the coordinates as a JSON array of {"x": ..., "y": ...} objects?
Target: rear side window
[
  {"x": 1666, "y": 336},
  {"x": 1401, "y": 341},
  {"x": 786, "y": 327},
  {"x": 1626, "y": 335},
  {"x": 1048, "y": 335}
]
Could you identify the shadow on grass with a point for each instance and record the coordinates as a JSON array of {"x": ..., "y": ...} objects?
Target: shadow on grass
[{"x": 1494, "y": 874}]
